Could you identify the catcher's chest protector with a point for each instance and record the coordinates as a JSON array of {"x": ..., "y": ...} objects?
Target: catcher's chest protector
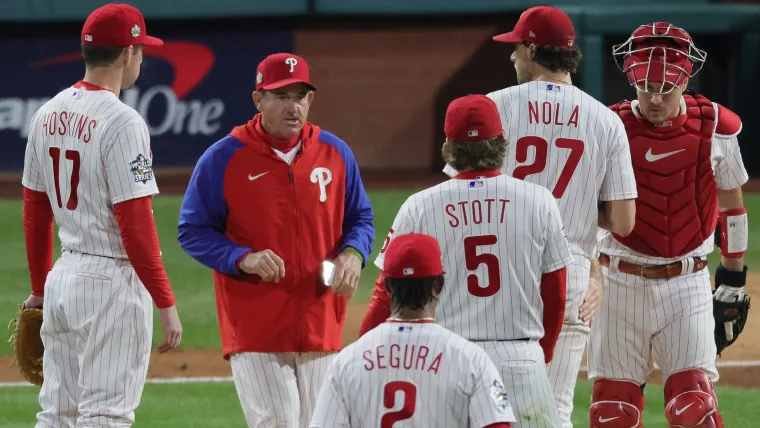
[{"x": 677, "y": 207}]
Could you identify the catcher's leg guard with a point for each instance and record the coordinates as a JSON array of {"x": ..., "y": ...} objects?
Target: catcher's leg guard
[
  {"x": 690, "y": 401},
  {"x": 616, "y": 404}
]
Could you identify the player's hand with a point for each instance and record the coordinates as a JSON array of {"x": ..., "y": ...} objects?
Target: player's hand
[
  {"x": 728, "y": 294},
  {"x": 33, "y": 302},
  {"x": 593, "y": 300},
  {"x": 266, "y": 264},
  {"x": 172, "y": 327},
  {"x": 348, "y": 266}
]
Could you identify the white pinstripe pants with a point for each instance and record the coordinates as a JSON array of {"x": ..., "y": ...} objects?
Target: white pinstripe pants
[
  {"x": 672, "y": 316},
  {"x": 97, "y": 330},
  {"x": 568, "y": 353},
  {"x": 526, "y": 381},
  {"x": 279, "y": 390}
]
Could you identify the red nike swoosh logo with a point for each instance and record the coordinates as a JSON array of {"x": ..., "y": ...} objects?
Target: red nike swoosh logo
[{"x": 191, "y": 62}]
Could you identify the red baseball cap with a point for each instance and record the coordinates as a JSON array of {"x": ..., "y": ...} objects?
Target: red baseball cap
[
  {"x": 472, "y": 118},
  {"x": 117, "y": 24},
  {"x": 413, "y": 255},
  {"x": 282, "y": 69},
  {"x": 542, "y": 25}
]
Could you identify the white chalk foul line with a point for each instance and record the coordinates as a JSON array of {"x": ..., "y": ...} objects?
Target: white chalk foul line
[
  {"x": 149, "y": 380},
  {"x": 215, "y": 379}
]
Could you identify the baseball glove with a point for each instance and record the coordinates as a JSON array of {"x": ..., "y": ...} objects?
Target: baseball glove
[
  {"x": 730, "y": 306},
  {"x": 27, "y": 344}
]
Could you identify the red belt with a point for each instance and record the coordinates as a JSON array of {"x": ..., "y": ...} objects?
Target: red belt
[{"x": 669, "y": 270}]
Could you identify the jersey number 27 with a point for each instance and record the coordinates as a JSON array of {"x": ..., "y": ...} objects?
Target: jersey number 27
[{"x": 539, "y": 164}]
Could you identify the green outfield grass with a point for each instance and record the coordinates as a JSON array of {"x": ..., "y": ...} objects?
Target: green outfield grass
[
  {"x": 192, "y": 281},
  {"x": 216, "y": 405},
  {"x": 207, "y": 405}
]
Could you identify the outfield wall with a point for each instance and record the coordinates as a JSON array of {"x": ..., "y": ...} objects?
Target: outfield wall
[{"x": 384, "y": 81}]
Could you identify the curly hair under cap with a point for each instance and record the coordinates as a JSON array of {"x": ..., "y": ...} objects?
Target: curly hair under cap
[
  {"x": 411, "y": 293},
  {"x": 557, "y": 59},
  {"x": 477, "y": 156}
]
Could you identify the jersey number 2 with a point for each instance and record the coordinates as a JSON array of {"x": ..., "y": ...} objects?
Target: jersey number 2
[
  {"x": 73, "y": 156},
  {"x": 542, "y": 148},
  {"x": 473, "y": 260},
  {"x": 389, "y": 401}
]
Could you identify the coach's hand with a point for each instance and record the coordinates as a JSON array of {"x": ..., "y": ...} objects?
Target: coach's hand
[
  {"x": 266, "y": 264},
  {"x": 593, "y": 300},
  {"x": 172, "y": 327},
  {"x": 348, "y": 266}
]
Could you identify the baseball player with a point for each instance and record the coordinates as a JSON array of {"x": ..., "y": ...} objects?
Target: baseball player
[
  {"x": 689, "y": 173},
  {"x": 563, "y": 139},
  {"x": 266, "y": 206},
  {"x": 504, "y": 247},
  {"x": 88, "y": 167},
  {"x": 410, "y": 371}
]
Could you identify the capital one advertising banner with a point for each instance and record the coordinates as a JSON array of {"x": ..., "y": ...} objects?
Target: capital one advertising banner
[{"x": 191, "y": 91}]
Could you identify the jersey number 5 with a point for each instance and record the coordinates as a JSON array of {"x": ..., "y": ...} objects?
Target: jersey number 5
[
  {"x": 473, "y": 260},
  {"x": 73, "y": 156},
  {"x": 389, "y": 401},
  {"x": 539, "y": 164}
]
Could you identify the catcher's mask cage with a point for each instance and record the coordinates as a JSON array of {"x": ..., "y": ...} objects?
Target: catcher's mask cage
[{"x": 658, "y": 52}]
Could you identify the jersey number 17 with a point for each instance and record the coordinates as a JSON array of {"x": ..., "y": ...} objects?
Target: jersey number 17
[{"x": 73, "y": 156}]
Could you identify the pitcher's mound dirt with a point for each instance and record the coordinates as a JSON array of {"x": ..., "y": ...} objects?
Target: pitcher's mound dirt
[{"x": 203, "y": 363}]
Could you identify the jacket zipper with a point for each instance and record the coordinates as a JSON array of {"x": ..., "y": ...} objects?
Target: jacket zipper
[{"x": 300, "y": 330}]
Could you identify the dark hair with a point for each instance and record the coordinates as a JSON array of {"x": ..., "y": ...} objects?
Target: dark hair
[
  {"x": 411, "y": 293},
  {"x": 557, "y": 59},
  {"x": 476, "y": 155},
  {"x": 100, "y": 56}
]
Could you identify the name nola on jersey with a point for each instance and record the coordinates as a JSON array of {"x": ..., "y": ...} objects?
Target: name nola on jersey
[
  {"x": 476, "y": 211},
  {"x": 548, "y": 114},
  {"x": 408, "y": 357}
]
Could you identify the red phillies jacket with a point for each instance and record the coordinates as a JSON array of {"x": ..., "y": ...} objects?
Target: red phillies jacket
[{"x": 243, "y": 198}]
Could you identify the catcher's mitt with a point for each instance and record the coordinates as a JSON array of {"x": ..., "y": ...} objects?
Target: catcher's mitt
[
  {"x": 27, "y": 344},
  {"x": 734, "y": 312}
]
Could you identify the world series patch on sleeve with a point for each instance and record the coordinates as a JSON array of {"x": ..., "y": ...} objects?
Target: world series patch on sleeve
[
  {"x": 27, "y": 344},
  {"x": 142, "y": 169}
]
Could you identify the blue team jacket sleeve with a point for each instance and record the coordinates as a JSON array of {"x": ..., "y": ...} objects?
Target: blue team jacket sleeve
[
  {"x": 203, "y": 215},
  {"x": 358, "y": 217}
]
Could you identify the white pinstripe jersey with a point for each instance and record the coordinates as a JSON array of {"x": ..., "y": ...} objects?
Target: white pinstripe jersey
[
  {"x": 730, "y": 173},
  {"x": 412, "y": 374},
  {"x": 497, "y": 236},
  {"x": 88, "y": 151},
  {"x": 567, "y": 141}
]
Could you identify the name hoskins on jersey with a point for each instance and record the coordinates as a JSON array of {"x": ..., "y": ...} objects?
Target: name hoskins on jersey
[
  {"x": 179, "y": 116},
  {"x": 412, "y": 373},
  {"x": 499, "y": 235}
]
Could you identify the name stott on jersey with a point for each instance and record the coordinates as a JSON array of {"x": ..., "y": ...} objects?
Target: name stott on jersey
[
  {"x": 498, "y": 236},
  {"x": 565, "y": 140},
  {"x": 88, "y": 151},
  {"x": 414, "y": 374}
]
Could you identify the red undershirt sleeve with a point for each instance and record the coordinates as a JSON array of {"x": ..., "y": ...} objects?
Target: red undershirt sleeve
[
  {"x": 379, "y": 308},
  {"x": 140, "y": 239},
  {"x": 38, "y": 237},
  {"x": 553, "y": 294},
  {"x": 499, "y": 425}
]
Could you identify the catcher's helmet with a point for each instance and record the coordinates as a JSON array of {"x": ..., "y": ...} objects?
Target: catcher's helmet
[{"x": 658, "y": 52}]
